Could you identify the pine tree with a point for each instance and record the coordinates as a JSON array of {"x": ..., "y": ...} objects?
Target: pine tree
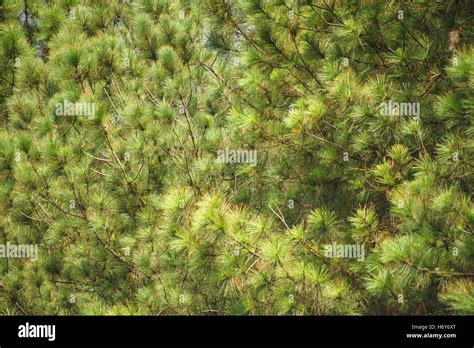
[{"x": 132, "y": 208}]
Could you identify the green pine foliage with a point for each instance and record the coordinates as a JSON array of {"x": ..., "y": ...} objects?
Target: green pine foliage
[{"x": 132, "y": 209}]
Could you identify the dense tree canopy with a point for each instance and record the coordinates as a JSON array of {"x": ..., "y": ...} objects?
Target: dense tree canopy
[{"x": 127, "y": 129}]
